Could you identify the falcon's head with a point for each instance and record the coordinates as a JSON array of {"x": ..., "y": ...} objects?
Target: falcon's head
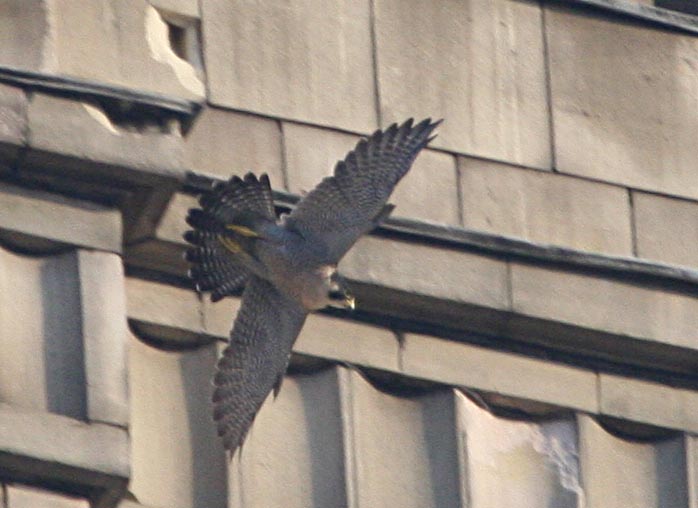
[{"x": 338, "y": 295}]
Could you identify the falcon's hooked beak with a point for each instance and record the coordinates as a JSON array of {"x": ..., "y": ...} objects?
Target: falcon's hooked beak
[
  {"x": 341, "y": 299},
  {"x": 350, "y": 302}
]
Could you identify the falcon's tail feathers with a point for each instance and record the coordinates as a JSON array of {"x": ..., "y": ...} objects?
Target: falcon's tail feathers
[
  {"x": 248, "y": 195},
  {"x": 224, "y": 231}
]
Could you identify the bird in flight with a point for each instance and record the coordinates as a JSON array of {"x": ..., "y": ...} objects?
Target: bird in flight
[{"x": 287, "y": 266}]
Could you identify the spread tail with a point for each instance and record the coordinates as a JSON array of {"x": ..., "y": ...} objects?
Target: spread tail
[{"x": 224, "y": 233}]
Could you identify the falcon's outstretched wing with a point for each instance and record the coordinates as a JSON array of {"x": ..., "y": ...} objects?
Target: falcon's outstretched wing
[
  {"x": 352, "y": 202},
  {"x": 252, "y": 365}
]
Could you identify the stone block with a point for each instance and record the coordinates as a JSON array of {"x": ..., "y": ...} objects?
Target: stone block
[
  {"x": 311, "y": 154},
  {"x": 19, "y": 496},
  {"x": 629, "y": 474},
  {"x": 477, "y": 367},
  {"x": 178, "y": 461},
  {"x": 294, "y": 453},
  {"x": 545, "y": 208},
  {"x": 173, "y": 225},
  {"x": 479, "y": 64},
  {"x": 649, "y": 313},
  {"x": 649, "y": 402},
  {"x": 429, "y": 271},
  {"x": 104, "y": 330},
  {"x": 624, "y": 101},
  {"x": 57, "y": 219},
  {"x": 307, "y": 61},
  {"x": 515, "y": 463},
  {"x": 401, "y": 451},
  {"x": 68, "y": 449},
  {"x": 348, "y": 341},
  {"x": 65, "y": 335},
  {"x": 128, "y": 45},
  {"x": 224, "y": 143},
  {"x": 427, "y": 192},
  {"x": 24, "y": 26},
  {"x": 13, "y": 122},
  {"x": 665, "y": 229},
  {"x": 163, "y": 305},
  {"x": 81, "y": 130},
  {"x": 42, "y": 365}
]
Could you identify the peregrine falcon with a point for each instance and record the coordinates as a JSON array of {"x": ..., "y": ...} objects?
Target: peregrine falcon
[{"x": 287, "y": 266}]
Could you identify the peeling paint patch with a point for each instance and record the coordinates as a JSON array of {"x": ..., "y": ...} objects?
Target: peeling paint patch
[
  {"x": 158, "y": 42},
  {"x": 519, "y": 460},
  {"x": 557, "y": 442}
]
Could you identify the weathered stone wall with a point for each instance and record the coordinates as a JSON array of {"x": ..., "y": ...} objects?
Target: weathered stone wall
[{"x": 526, "y": 332}]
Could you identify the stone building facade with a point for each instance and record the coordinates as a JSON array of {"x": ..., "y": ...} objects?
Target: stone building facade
[{"x": 527, "y": 323}]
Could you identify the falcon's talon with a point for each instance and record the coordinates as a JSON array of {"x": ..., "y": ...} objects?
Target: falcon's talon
[{"x": 288, "y": 266}]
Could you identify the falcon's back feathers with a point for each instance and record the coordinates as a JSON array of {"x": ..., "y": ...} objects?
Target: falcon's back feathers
[
  {"x": 229, "y": 203},
  {"x": 351, "y": 202}
]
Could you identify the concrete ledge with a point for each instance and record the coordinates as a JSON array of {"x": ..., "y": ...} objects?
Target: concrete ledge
[
  {"x": 170, "y": 313},
  {"x": 348, "y": 341},
  {"x": 429, "y": 270},
  {"x": 432, "y": 276},
  {"x": 52, "y": 83},
  {"x": 89, "y": 132},
  {"x": 469, "y": 366},
  {"x": 58, "y": 219},
  {"x": 647, "y": 313},
  {"x": 91, "y": 458},
  {"x": 79, "y": 147},
  {"x": 660, "y": 405}
]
